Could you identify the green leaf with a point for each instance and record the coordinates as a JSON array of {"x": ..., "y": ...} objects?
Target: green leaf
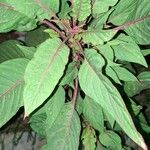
[
  {"x": 70, "y": 75},
  {"x": 54, "y": 106},
  {"x": 48, "y": 112},
  {"x": 23, "y": 15},
  {"x": 11, "y": 19},
  {"x": 13, "y": 49},
  {"x": 101, "y": 6},
  {"x": 100, "y": 20},
  {"x": 111, "y": 140},
  {"x": 106, "y": 51},
  {"x": 65, "y": 131},
  {"x": 112, "y": 74},
  {"x": 79, "y": 104},
  {"x": 64, "y": 10},
  {"x": 81, "y": 9},
  {"x": 36, "y": 37},
  {"x": 37, "y": 123},
  {"x": 124, "y": 74},
  {"x": 43, "y": 73},
  {"x": 11, "y": 87},
  {"x": 135, "y": 87},
  {"x": 96, "y": 36},
  {"x": 146, "y": 52},
  {"x": 92, "y": 111},
  {"x": 89, "y": 138},
  {"x": 134, "y": 16},
  {"x": 143, "y": 123},
  {"x": 128, "y": 50},
  {"x": 100, "y": 89}
]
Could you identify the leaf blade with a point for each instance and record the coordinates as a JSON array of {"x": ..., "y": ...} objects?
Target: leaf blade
[
  {"x": 43, "y": 72},
  {"x": 11, "y": 88},
  {"x": 100, "y": 89}
]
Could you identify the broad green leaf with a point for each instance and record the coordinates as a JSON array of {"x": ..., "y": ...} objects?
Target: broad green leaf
[
  {"x": 43, "y": 73},
  {"x": 111, "y": 140},
  {"x": 81, "y": 9},
  {"x": 23, "y": 15},
  {"x": 12, "y": 19},
  {"x": 123, "y": 11},
  {"x": 96, "y": 36},
  {"x": 93, "y": 113},
  {"x": 70, "y": 75},
  {"x": 36, "y": 37},
  {"x": 135, "y": 87},
  {"x": 124, "y": 74},
  {"x": 11, "y": 87},
  {"x": 100, "y": 89},
  {"x": 48, "y": 112},
  {"x": 134, "y": 16},
  {"x": 128, "y": 50},
  {"x": 101, "y": 6},
  {"x": 65, "y": 131},
  {"x": 89, "y": 138},
  {"x": 54, "y": 106}
]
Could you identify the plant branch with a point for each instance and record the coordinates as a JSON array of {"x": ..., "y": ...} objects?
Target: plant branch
[
  {"x": 131, "y": 23},
  {"x": 49, "y": 24},
  {"x": 75, "y": 93}
]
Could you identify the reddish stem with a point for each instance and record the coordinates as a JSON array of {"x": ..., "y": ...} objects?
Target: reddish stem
[{"x": 49, "y": 24}]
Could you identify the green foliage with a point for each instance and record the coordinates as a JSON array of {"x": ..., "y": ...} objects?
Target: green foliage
[{"x": 67, "y": 71}]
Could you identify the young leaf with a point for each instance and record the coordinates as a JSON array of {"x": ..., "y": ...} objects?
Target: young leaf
[
  {"x": 93, "y": 113},
  {"x": 43, "y": 72},
  {"x": 65, "y": 131},
  {"x": 111, "y": 140},
  {"x": 89, "y": 138},
  {"x": 96, "y": 36},
  {"x": 81, "y": 9},
  {"x": 11, "y": 87},
  {"x": 100, "y": 89}
]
